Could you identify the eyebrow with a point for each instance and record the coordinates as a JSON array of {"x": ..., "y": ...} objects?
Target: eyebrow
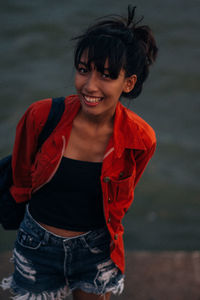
[
  {"x": 86, "y": 65},
  {"x": 83, "y": 63}
]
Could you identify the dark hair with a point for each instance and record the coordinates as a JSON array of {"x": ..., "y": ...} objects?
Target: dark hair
[{"x": 125, "y": 44}]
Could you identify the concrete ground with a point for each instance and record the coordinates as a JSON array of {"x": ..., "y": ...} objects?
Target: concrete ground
[{"x": 149, "y": 276}]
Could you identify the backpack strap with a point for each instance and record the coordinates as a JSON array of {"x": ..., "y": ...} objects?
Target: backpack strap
[{"x": 55, "y": 114}]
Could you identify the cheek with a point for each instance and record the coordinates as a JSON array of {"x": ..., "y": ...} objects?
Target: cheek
[
  {"x": 78, "y": 81},
  {"x": 114, "y": 88},
  {"x": 117, "y": 90}
]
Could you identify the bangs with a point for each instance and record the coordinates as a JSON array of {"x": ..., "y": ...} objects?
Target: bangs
[{"x": 98, "y": 49}]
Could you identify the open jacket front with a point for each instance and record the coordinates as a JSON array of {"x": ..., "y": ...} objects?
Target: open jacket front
[{"x": 131, "y": 146}]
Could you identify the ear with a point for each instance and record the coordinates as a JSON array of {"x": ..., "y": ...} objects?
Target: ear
[{"x": 129, "y": 83}]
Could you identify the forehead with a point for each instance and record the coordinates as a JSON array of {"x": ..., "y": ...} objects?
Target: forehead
[
  {"x": 84, "y": 59},
  {"x": 100, "y": 61}
]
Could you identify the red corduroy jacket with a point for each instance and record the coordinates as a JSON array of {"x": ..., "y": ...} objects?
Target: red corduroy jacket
[{"x": 128, "y": 152}]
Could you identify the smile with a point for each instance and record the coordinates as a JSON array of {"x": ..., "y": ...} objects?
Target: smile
[{"x": 92, "y": 101}]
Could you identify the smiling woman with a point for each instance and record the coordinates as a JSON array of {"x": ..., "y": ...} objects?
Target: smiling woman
[
  {"x": 99, "y": 89},
  {"x": 81, "y": 182}
]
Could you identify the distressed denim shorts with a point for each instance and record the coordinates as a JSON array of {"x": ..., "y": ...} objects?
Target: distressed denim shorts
[{"x": 48, "y": 266}]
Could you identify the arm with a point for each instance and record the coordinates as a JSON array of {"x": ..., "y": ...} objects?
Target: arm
[
  {"x": 142, "y": 158},
  {"x": 25, "y": 146}
]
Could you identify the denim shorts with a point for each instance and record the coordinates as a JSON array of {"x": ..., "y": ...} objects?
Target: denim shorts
[{"x": 48, "y": 266}]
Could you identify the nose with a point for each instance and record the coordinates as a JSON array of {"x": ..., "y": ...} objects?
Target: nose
[{"x": 91, "y": 83}]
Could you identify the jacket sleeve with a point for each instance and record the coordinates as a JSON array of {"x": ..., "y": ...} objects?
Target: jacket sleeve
[
  {"x": 25, "y": 146},
  {"x": 142, "y": 158}
]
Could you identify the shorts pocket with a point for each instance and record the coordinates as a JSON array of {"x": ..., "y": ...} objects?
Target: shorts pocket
[
  {"x": 98, "y": 242},
  {"x": 28, "y": 240}
]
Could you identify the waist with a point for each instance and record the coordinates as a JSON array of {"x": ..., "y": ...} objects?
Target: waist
[
  {"x": 29, "y": 223},
  {"x": 61, "y": 232}
]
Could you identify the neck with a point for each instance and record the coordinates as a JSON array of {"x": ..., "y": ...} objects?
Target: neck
[{"x": 97, "y": 121}]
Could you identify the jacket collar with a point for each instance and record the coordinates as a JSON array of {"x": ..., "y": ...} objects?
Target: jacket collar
[{"x": 126, "y": 132}]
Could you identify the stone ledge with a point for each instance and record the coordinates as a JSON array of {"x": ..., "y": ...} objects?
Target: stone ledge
[
  {"x": 162, "y": 276},
  {"x": 166, "y": 275}
]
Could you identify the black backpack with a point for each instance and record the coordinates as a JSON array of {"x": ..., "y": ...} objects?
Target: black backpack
[{"x": 12, "y": 213}]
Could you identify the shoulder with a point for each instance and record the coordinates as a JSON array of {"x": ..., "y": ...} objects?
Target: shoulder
[
  {"x": 39, "y": 107},
  {"x": 36, "y": 115},
  {"x": 39, "y": 110},
  {"x": 139, "y": 125}
]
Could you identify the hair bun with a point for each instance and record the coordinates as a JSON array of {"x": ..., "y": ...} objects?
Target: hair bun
[
  {"x": 131, "y": 17},
  {"x": 131, "y": 14},
  {"x": 143, "y": 35}
]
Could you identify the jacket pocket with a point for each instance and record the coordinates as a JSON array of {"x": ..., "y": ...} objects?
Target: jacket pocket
[{"x": 123, "y": 187}]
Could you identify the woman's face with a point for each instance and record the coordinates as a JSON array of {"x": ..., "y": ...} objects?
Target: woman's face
[{"x": 98, "y": 92}]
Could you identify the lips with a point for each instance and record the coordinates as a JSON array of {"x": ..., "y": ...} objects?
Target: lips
[{"x": 91, "y": 100}]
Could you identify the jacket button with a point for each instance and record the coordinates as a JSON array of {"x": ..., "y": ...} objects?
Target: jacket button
[
  {"x": 109, "y": 219},
  {"x": 121, "y": 174},
  {"x": 115, "y": 236},
  {"x": 109, "y": 200},
  {"x": 106, "y": 179}
]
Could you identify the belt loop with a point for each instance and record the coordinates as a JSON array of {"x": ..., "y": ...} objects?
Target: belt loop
[
  {"x": 46, "y": 236},
  {"x": 83, "y": 241}
]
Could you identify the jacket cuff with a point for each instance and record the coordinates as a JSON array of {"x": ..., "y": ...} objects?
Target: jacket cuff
[{"x": 20, "y": 194}]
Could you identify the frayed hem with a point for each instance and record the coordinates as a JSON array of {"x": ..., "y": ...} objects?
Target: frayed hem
[
  {"x": 54, "y": 295},
  {"x": 117, "y": 290},
  {"x": 6, "y": 283},
  {"x": 21, "y": 294},
  {"x": 87, "y": 288}
]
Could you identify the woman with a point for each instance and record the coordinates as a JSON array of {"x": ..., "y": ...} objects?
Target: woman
[{"x": 81, "y": 183}]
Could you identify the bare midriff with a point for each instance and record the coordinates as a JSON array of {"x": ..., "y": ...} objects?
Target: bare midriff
[{"x": 60, "y": 231}]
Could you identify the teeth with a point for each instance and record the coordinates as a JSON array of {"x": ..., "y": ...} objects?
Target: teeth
[{"x": 92, "y": 99}]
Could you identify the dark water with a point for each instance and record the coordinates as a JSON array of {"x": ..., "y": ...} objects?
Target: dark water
[{"x": 36, "y": 62}]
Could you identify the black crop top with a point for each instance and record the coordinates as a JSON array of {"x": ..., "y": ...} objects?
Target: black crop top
[{"x": 72, "y": 199}]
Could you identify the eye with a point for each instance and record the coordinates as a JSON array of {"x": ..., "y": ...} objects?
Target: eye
[
  {"x": 82, "y": 70},
  {"x": 105, "y": 75}
]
